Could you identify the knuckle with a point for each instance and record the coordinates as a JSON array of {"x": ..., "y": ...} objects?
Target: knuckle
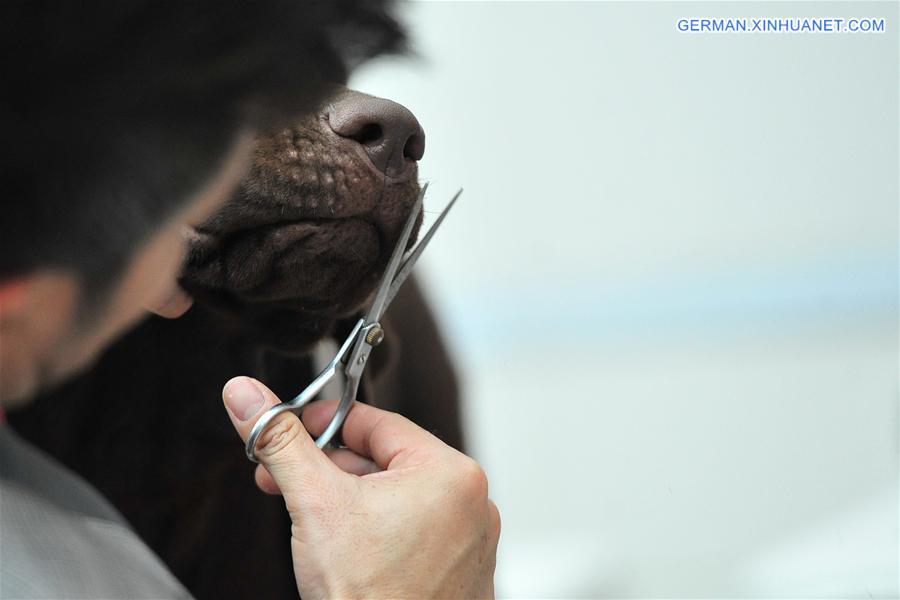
[
  {"x": 472, "y": 479},
  {"x": 280, "y": 434},
  {"x": 494, "y": 521}
]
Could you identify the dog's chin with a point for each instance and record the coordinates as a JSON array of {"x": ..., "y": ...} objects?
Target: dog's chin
[
  {"x": 282, "y": 330},
  {"x": 286, "y": 285}
]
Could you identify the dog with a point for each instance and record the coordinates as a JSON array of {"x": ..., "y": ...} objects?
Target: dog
[
  {"x": 286, "y": 263},
  {"x": 304, "y": 240}
]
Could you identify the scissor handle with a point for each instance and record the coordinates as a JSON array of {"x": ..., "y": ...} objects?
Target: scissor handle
[
  {"x": 341, "y": 412},
  {"x": 297, "y": 403}
]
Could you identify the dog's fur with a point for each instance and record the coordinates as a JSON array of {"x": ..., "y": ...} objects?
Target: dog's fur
[
  {"x": 287, "y": 262},
  {"x": 305, "y": 238}
]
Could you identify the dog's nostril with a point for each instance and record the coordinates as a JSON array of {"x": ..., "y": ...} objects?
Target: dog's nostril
[
  {"x": 389, "y": 134},
  {"x": 370, "y": 132},
  {"x": 414, "y": 149}
]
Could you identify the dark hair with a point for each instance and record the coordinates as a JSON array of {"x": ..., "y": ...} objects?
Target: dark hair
[{"x": 115, "y": 111}]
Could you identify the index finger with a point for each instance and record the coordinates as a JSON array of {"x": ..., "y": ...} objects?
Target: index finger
[{"x": 391, "y": 440}]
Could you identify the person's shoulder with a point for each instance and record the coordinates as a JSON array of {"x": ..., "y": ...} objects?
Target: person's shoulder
[{"x": 51, "y": 550}]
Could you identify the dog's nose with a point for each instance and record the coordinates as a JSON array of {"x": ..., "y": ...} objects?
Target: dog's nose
[{"x": 388, "y": 132}]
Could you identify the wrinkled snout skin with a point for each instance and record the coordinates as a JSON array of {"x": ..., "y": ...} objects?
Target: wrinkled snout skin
[{"x": 304, "y": 240}]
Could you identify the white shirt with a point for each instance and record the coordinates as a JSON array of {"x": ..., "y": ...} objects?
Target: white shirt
[{"x": 59, "y": 538}]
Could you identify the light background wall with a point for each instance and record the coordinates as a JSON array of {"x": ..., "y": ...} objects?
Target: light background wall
[{"x": 671, "y": 287}]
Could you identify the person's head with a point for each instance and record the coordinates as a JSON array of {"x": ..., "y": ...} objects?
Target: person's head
[{"x": 125, "y": 119}]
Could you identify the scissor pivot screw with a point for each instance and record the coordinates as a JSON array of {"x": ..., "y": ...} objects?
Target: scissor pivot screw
[{"x": 375, "y": 335}]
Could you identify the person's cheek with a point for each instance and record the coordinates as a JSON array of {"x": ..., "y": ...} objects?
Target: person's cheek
[{"x": 147, "y": 281}]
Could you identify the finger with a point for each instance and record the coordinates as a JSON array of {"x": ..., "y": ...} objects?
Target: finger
[
  {"x": 390, "y": 440},
  {"x": 297, "y": 467},
  {"x": 265, "y": 481},
  {"x": 351, "y": 462}
]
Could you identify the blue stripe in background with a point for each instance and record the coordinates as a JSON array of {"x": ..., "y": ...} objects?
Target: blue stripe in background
[{"x": 848, "y": 293}]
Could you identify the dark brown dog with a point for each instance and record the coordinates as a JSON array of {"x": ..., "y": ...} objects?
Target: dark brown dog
[
  {"x": 306, "y": 237},
  {"x": 287, "y": 262}
]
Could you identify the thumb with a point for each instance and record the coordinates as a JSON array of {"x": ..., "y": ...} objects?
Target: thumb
[{"x": 300, "y": 469}]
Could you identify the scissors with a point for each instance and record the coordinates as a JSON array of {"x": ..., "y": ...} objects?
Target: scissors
[{"x": 365, "y": 335}]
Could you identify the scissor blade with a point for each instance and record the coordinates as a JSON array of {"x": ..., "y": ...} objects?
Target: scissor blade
[
  {"x": 378, "y": 305},
  {"x": 410, "y": 261}
]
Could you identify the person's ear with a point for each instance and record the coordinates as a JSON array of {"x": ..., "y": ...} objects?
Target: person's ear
[
  {"x": 46, "y": 298},
  {"x": 175, "y": 304},
  {"x": 13, "y": 296},
  {"x": 36, "y": 311}
]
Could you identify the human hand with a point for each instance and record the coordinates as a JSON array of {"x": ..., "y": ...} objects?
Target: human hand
[{"x": 395, "y": 514}]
